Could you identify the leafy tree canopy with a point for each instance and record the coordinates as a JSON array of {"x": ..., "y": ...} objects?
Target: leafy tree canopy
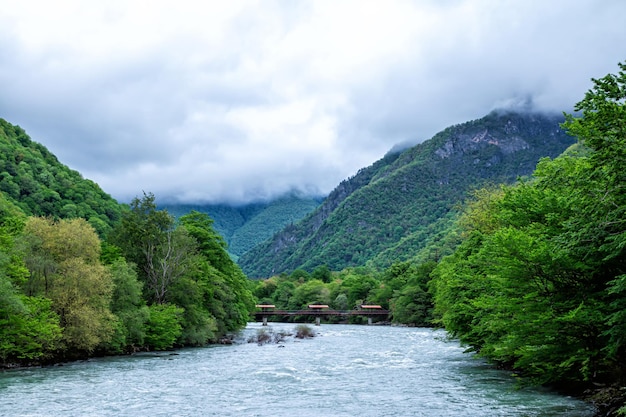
[{"x": 34, "y": 180}]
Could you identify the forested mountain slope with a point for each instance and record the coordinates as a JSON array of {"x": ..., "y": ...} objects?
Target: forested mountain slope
[
  {"x": 245, "y": 226},
  {"x": 386, "y": 212},
  {"x": 144, "y": 282},
  {"x": 33, "y": 179}
]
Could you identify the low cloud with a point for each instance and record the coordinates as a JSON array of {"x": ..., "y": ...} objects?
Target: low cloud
[{"x": 240, "y": 101}]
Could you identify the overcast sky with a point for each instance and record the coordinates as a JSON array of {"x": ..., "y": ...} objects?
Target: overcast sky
[{"x": 214, "y": 101}]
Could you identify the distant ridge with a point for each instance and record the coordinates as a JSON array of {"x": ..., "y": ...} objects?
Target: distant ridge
[
  {"x": 245, "y": 226},
  {"x": 388, "y": 211}
]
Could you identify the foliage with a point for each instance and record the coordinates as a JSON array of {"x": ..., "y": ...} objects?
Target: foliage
[
  {"x": 145, "y": 236},
  {"x": 129, "y": 307},
  {"x": 164, "y": 326},
  {"x": 35, "y": 181},
  {"x": 29, "y": 329},
  {"x": 228, "y": 296},
  {"x": 538, "y": 281},
  {"x": 411, "y": 302},
  {"x": 66, "y": 292},
  {"x": 63, "y": 259},
  {"x": 185, "y": 264}
]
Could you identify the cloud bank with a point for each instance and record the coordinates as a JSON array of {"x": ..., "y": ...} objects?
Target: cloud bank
[{"x": 245, "y": 100}]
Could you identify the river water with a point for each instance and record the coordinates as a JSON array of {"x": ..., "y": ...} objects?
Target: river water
[{"x": 345, "y": 370}]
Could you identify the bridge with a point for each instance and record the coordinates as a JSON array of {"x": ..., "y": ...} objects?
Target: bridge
[{"x": 318, "y": 311}]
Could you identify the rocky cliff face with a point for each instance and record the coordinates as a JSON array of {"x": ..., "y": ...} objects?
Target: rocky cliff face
[{"x": 465, "y": 144}]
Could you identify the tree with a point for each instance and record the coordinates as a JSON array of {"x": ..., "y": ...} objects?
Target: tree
[
  {"x": 602, "y": 128},
  {"x": 63, "y": 260},
  {"x": 322, "y": 273},
  {"x": 163, "y": 327},
  {"x": 598, "y": 232},
  {"x": 29, "y": 328},
  {"x": 284, "y": 291},
  {"x": 148, "y": 239},
  {"x": 412, "y": 302},
  {"x": 311, "y": 292},
  {"x": 129, "y": 308},
  {"x": 227, "y": 292},
  {"x": 167, "y": 262}
]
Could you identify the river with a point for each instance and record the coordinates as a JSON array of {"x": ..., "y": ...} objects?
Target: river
[{"x": 345, "y": 370}]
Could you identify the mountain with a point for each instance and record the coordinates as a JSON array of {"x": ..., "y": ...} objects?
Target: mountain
[
  {"x": 34, "y": 180},
  {"x": 388, "y": 211},
  {"x": 245, "y": 226}
]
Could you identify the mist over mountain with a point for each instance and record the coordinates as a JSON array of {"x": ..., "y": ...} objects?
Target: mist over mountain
[
  {"x": 388, "y": 211},
  {"x": 245, "y": 226},
  {"x": 384, "y": 213}
]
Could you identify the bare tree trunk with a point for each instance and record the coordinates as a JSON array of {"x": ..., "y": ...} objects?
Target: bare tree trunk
[{"x": 166, "y": 263}]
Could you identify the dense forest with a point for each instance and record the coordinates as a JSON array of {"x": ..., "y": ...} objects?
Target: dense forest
[
  {"x": 33, "y": 179},
  {"x": 82, "y": 275}
]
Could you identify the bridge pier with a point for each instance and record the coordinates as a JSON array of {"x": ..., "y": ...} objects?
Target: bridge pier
[
  {"x": 317, "y": 321},
  {"x": 264, "y": 320},
  {"x": 369, "y": 321}
]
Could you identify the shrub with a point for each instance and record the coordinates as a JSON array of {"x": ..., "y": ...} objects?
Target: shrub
[
  {"x": 303, "y": 331},
  {"x": 266, "y": 335}
]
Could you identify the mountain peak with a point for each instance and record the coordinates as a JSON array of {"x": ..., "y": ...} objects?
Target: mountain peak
[{"x": 385, "y": 213}]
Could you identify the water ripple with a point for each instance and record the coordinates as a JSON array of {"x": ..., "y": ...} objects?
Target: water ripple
[{"x": 344, "y": 371}]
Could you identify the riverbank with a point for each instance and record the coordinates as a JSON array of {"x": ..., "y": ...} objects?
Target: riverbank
[{"x": 607, "y": 400}]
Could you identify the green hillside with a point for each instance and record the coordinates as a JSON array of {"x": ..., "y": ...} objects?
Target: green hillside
[
  {"x": 387, "y": 212},
  {"x": 245, "y": 226},
  {"x": 33, "y": 179},
  {"x": 83, "y": 276},
  {"x": 227, "y": 219}
]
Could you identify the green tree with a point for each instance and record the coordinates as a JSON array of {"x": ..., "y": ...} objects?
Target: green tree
[
  {"x": 265, "y": 288},
  {"x": 29, "y": 329},
  {"x": 311, "y": 292},
  {"x": 520, "y": 291},
  {"x": 148, "y": 239},
  {"x": 200, "y": 325},
  {"x": 226, "y": 291},
  {"x": 358, "y": 284},
  {"x": 322, "y": 273},
  {"x": 129, "y": 308},
  {"x": 164, "y": 326},
  {"x": 284, "y": 291},
  {"x": 412, "y": 302},
  {"x": 63, "y": 259},
  {"x": 597, "y": 233},
  {"x": 168, "y": 262},
  {"x": 341, "y": 302}
]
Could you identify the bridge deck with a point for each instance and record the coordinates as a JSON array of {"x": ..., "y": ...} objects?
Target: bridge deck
[{"x": 317, "y": 312}]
